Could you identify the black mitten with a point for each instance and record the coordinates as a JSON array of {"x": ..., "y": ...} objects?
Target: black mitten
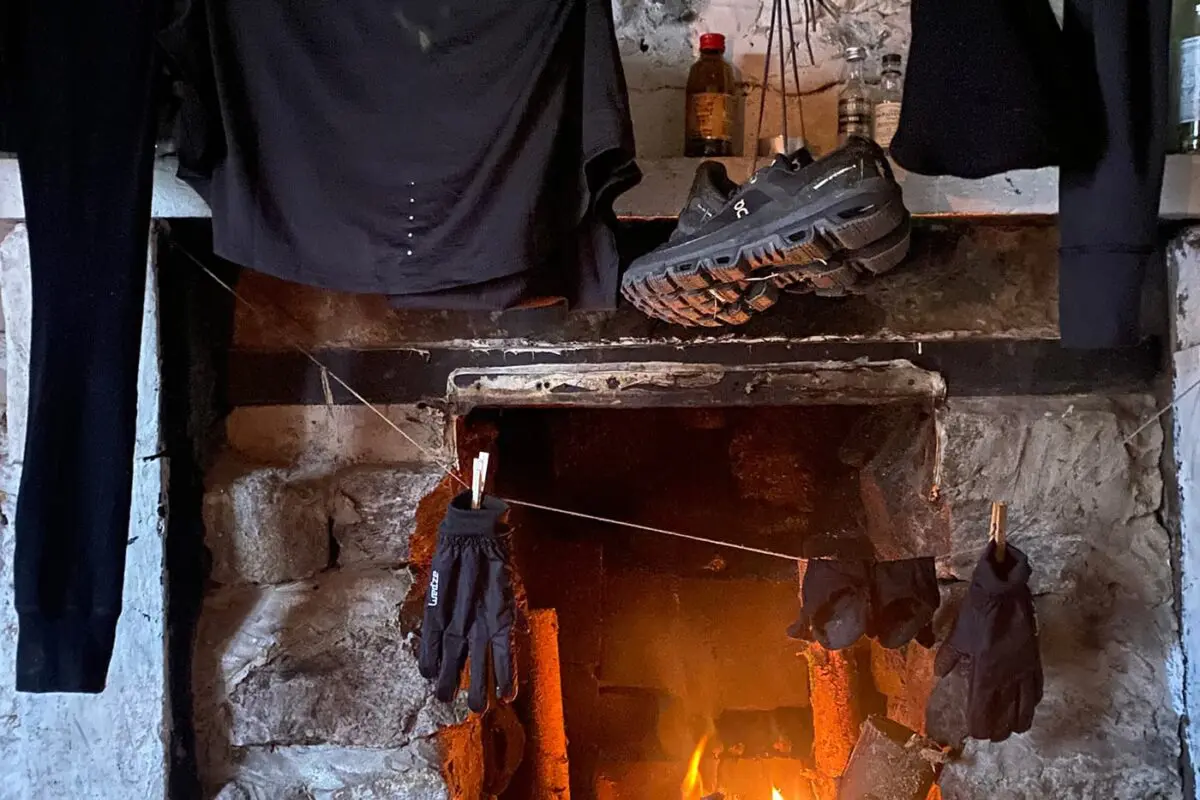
[
  {"x": 982, "y": 92},
  {"x": 995, "y": 640},
  {"x": 904, "y": 597},
  {"x": 469, "y": 606},
  {"x": 834, "y": 603}
]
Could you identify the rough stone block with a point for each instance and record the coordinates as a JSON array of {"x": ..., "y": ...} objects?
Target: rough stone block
[
  {"x": 319, "y": 661},
  {"x": 262, "y": 525},
  {"x": 315, "y": 437},
  {"x": 1084, "y": 506},
  {"x": 375, "y": 512},
  {"x": 348, "y": 773}
]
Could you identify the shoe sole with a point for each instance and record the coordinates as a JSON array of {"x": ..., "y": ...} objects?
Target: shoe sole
[{"x": 825, "y": 255}]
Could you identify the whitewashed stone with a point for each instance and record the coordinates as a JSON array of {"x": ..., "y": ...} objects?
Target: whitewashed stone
[
  {"x": 263, "y": 525},
  {"x": 325, "y": 772},
  {"x": 88, "y": 747},
  {"x": 1084, "y": 508},
  {"x": 374, "y": 512},
  {"x": 323, "y": 661},
  {"x": 314, "y": 438}
]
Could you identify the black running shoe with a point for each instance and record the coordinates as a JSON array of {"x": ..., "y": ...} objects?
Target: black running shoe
[{"x": 794, "y": 226}]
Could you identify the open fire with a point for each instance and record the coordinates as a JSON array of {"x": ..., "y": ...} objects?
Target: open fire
[{"x": 752, "y": 787}]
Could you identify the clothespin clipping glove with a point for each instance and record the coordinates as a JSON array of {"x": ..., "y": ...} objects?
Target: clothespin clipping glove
[
  {"x": 995, "y": 642},
  {"x": 469, "y": 606}
]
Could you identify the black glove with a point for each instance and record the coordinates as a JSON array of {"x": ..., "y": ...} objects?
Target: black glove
[
  {"x": 995, "y": 641},
  {"x": 904, "y": 597},
  {"x": 469, "y": 606},
  {"x": 834, "y": 603}
]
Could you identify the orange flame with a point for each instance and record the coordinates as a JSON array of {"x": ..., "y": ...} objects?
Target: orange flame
[
  {"x": 776, "y": 794},
  {"x": 693, "y": 784}
]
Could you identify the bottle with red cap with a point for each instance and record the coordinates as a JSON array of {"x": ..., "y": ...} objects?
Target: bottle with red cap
[{"x": 710, "y": 101}]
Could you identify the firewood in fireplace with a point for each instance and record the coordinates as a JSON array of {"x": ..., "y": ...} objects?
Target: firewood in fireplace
[{"x": 890, "y": 762}]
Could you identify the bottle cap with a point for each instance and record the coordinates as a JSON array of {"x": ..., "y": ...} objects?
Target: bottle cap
[
  {"x": 891, "y": 60},
  {"x": 712, "y": 41},
  {"x": 855, "y": 53}
]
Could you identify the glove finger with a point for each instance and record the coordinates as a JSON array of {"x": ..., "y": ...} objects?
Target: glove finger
[
  {"x": 947, "y": 659},
  {"x": 800, "y": 629},
  {"x": 926, "y": 638},
  {"x": 983, "y": 706},
  {"x": 502, "y": 665},
  {"x": 454, "y": 658},
  {"x": 477, "y": 694},
  {"x": 1027, "y": 701},
  {"x": 1004, "y": 716},
  {"x": 439, "y": 604}
]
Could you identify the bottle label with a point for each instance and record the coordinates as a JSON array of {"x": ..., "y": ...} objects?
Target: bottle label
[
  {"x": 887, "y": 119},
  {"x": 710, "y": 116},
  {"x": 1189, "y": 79},
  {"x": 854, "y": 117}
]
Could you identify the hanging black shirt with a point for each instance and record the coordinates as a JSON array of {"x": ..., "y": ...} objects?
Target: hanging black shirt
[{"x": 449, "y": 153}]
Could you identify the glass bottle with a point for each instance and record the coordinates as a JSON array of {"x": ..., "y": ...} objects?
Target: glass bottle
[
  {"x": 710, "y": 101},
  {"x": 1187, "y": 76},
  {"x": 854, "y": 100},
  {"x": 887, "y": 109}
]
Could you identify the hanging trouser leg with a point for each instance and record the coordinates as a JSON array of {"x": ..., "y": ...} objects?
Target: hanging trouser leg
[
  {"x": 85, "y": 143},
  {"x": 1112, "y": 167}
]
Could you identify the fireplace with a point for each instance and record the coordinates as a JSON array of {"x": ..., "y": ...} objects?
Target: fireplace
[
  {"x": 822, "y": 432},
  {"x": 675, "y": 677}
]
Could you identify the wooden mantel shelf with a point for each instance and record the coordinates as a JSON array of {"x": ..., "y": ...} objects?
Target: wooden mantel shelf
[{"x": 666, "y": 182}]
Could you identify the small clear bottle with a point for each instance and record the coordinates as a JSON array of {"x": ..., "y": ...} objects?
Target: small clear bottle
[
  {"x": 854, "y": 100},
  {"x": 887, "y": 108},
  {"x": 1187, "y": 71}
]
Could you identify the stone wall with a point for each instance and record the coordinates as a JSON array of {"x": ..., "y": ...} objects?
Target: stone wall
[
  {"x": 303, "y": 644},
  {"x": 659, "y": 42},
  {"x": 305, "y": 679},
  {"x": 1085, "y": 507}
]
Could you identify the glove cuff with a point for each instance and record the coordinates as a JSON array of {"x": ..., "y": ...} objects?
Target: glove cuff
[
  {"x": 998, "y": 579},
  {"x": 462, "y": 520}
]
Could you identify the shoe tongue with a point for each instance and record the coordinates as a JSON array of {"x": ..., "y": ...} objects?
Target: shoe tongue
[
  {"x": 711, "y": 189},
  {"x": 801, "y": 158},
  {"x": 796, "y": 160}
]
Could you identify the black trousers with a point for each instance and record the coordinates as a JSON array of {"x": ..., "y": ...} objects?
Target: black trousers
[
  {"x": 80, "y": 79},
  {"x": 1111, "y": 177}
]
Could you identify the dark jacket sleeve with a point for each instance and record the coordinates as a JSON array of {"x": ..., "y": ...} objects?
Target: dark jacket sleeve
[{"x": 1112, "y": 169}]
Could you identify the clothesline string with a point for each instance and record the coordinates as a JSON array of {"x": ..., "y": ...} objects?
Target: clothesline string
[{"x": 452, "y": 472}]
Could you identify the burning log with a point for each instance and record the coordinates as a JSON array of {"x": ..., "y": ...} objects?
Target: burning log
[
  {"x": 890, "y": 762},
  {"x": 549, "y": 735},
  {"x": 832, "y": 680}
]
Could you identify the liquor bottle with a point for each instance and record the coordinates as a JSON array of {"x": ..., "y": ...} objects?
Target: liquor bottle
[
  {"x": 1187, "y": 70},
  {"x": 710, "y": 101},
  {"x": 887, "y": 109},
  {"x": 854, "y": 100}
]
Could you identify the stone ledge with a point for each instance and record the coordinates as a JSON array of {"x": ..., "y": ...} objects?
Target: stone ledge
[{"x": 665, "y": 184}]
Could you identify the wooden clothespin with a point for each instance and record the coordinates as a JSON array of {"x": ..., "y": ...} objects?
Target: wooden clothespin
[
  {"x": 996, "y": 531},
  {"x": 478, "y": 478}
]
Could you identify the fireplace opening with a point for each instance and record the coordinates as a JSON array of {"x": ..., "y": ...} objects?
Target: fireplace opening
[{"x": 658, "y": 666}]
